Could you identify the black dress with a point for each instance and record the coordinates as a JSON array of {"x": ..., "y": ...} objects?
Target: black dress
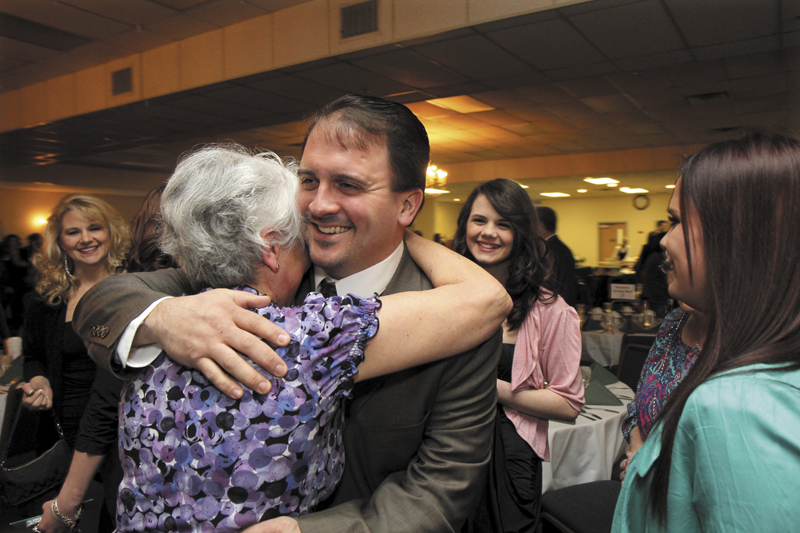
[{"x": 511, "y": 499}]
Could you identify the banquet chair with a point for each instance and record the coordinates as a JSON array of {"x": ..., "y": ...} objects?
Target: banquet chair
[
  {"x": 632, "y": 358},
  {"x": 583, "y": 508}
]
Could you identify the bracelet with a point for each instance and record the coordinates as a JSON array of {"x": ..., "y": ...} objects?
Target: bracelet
[{"x": 69, "y": 522}]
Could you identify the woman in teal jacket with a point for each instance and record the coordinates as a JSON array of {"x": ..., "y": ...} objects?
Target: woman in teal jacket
[{"x": 725, "y": 453}]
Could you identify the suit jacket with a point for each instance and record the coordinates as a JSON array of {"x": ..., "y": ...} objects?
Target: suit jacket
[
  {"x": 417, "y": 442},
  {"x": 564, "y": 281}
]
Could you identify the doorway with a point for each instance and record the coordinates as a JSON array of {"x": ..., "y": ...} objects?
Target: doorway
[{"x": 611, "y": 233}]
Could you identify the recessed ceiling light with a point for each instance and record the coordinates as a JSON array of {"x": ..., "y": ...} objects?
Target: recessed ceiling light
[
  {"x": 613, "y": 184},
  {"x": 634, "y": 190},
  {"x": 461, "y": 104},
  {"x": 600, "y": 181},
  {"x": 670, "y": 186},
  {"x": 581, "y": 190},
  {"x": 555, "y": 194},
  {"x": 456, "y": 199}
]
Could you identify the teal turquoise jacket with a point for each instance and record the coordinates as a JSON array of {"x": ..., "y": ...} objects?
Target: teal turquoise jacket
[{"x": 735, "y": 463}]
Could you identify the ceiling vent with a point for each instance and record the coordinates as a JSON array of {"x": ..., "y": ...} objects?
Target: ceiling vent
[
  {"x": 708, "y": 98},
  {"x": 359, "y": 19},
  {"x": 121, "y": 81}
]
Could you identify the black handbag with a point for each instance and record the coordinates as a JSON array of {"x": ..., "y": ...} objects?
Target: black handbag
[{"x": 23, "y": 480}]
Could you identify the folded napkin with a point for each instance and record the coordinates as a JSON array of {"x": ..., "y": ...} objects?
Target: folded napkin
[
  {"x": 602, "y": 375},
  {"x": 13, "y": 373},
  {"x": 592, "y": 325},
  {"x": 598, "y": 394}
]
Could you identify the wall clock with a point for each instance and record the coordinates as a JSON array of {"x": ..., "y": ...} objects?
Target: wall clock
[{"x": 641, "y": 201}]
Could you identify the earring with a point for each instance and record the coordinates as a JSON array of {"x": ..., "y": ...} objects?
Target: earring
[
  {"x": 66, "y": 267},
  {"x": 277, "y": 268}
]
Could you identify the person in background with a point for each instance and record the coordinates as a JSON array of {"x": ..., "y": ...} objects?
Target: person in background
[
  {"x": 563, "y": 281},
  {"x": 15, "y": 270},
  {"x": 621, "y": 250},
  {"x": 99, "y": 425},
  {"x": 724, "y": 454},
  {"x": 677, "y": 345},
  {"x": 538, "y": 376},
  {"x": 85, "y": 241}
]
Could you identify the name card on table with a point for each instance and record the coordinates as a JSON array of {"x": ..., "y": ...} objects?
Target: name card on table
[{"x": 622, "y": 291}]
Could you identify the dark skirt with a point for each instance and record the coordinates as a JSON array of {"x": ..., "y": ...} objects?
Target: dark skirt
[{"x": 512, "y": 497}]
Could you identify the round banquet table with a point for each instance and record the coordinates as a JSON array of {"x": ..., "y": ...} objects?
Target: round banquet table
[
  {"x": 601, "y": 347},
  {"x": 587, "y": 450}
]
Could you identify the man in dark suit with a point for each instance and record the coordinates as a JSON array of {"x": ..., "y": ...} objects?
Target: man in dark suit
[
  {"x": 417, "y": 442},
  {"x": 562, "y": 260}
]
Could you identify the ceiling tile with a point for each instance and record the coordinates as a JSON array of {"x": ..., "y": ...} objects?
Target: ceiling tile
[
  {"x": 583, "y": 71},
  {"x": 353, "y": 79},
  {"x": 597, "y": 5},
  {"x": 615, "y": 103},
  {"x": 502, "y": 99},
  {"x": 752, "y": 46},
  {"x": 64, "y": 17},
  {"x": 180, "y": 26},
  {"x": 475, "y": 57},
  {"x": 582, "y": 88},
  {"x": 225, "y": 12},
  {"x": 9, "y": 63},
  {"x": 179, "y": 4},
  {"x": 456, "y": 90},
  {"x": 548, "y": 45},
  {"x": 656, "y": 60},
  {"x": 24, "y": 51},
  {"x": 309, "y": 91},
  {"x": 410, "y": 69},
  {"x": 217, "y": 107},
  {"x": 754, "y": 64},
  {"x": 135, "y": 12},
  {"x": 545, "y": 93},
  {"x": 631, "y": 30},
  {"x": 715, "y": 21}
]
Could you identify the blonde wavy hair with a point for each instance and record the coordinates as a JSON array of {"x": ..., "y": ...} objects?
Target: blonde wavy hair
[{"x": 55, "y": 285}]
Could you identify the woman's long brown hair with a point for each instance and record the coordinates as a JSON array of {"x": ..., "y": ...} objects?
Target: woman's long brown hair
[{"x": 745, "y": 197}]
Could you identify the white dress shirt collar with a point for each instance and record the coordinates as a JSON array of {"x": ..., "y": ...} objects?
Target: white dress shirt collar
[{"x": 367, "y": 282}]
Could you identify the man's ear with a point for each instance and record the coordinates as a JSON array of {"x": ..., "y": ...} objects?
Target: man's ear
[
  {"x": 412, "y": 203},
  {"x": 269, "y": 252}
]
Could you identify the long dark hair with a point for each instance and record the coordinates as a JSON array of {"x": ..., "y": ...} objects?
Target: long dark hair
[
  {"x": 145, "y": 255},
  {"x": 528, "y": 268},
  {"x": 745, "y": 197}
]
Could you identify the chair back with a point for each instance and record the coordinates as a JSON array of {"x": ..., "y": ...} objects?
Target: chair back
[{"x": 632, "y": 358}]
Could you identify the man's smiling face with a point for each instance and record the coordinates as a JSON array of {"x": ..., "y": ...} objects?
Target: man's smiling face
[{"x": 354, "y": 218}]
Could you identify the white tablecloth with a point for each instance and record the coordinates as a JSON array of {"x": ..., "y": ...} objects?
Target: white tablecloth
[
  {"x": 586, "y": 451},
  {"x": 600, "y": 347}
]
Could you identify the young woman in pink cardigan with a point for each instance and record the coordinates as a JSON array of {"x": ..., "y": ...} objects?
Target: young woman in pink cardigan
[{"x": 539, "y": 370}]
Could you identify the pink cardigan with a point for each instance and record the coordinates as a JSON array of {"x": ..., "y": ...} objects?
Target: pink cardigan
[{"x": 549, "y": 341}]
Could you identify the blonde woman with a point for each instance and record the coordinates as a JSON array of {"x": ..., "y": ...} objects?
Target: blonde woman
[{"x": 85, "y": 241}]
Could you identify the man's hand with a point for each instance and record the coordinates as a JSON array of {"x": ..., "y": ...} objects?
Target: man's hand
[
  {"x": 203, "y": 331},
  {"x": 282, "y": 524}
]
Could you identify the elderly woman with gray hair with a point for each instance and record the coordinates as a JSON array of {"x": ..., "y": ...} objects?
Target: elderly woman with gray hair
[{"x": 197, "y": 460}]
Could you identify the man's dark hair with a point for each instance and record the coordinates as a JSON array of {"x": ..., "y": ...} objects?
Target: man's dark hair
[
  {"x": 547, "y": 217},
  {"x": 356, "y": 121}
]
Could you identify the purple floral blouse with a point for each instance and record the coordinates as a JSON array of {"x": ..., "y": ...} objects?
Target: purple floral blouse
[
  {"x": 196, "y": 460},
  {"x": 668, "y": 362}
]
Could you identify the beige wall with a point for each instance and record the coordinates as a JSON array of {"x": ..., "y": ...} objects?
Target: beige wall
[
  {"x": 20, "y": 209},
  {"x": 578, "y": 220}
]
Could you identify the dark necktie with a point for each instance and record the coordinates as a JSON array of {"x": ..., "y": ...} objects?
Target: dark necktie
[{"x": 327, "y": 288}]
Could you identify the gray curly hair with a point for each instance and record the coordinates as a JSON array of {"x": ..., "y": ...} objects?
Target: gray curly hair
[{"x": 217, "y": 204}]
